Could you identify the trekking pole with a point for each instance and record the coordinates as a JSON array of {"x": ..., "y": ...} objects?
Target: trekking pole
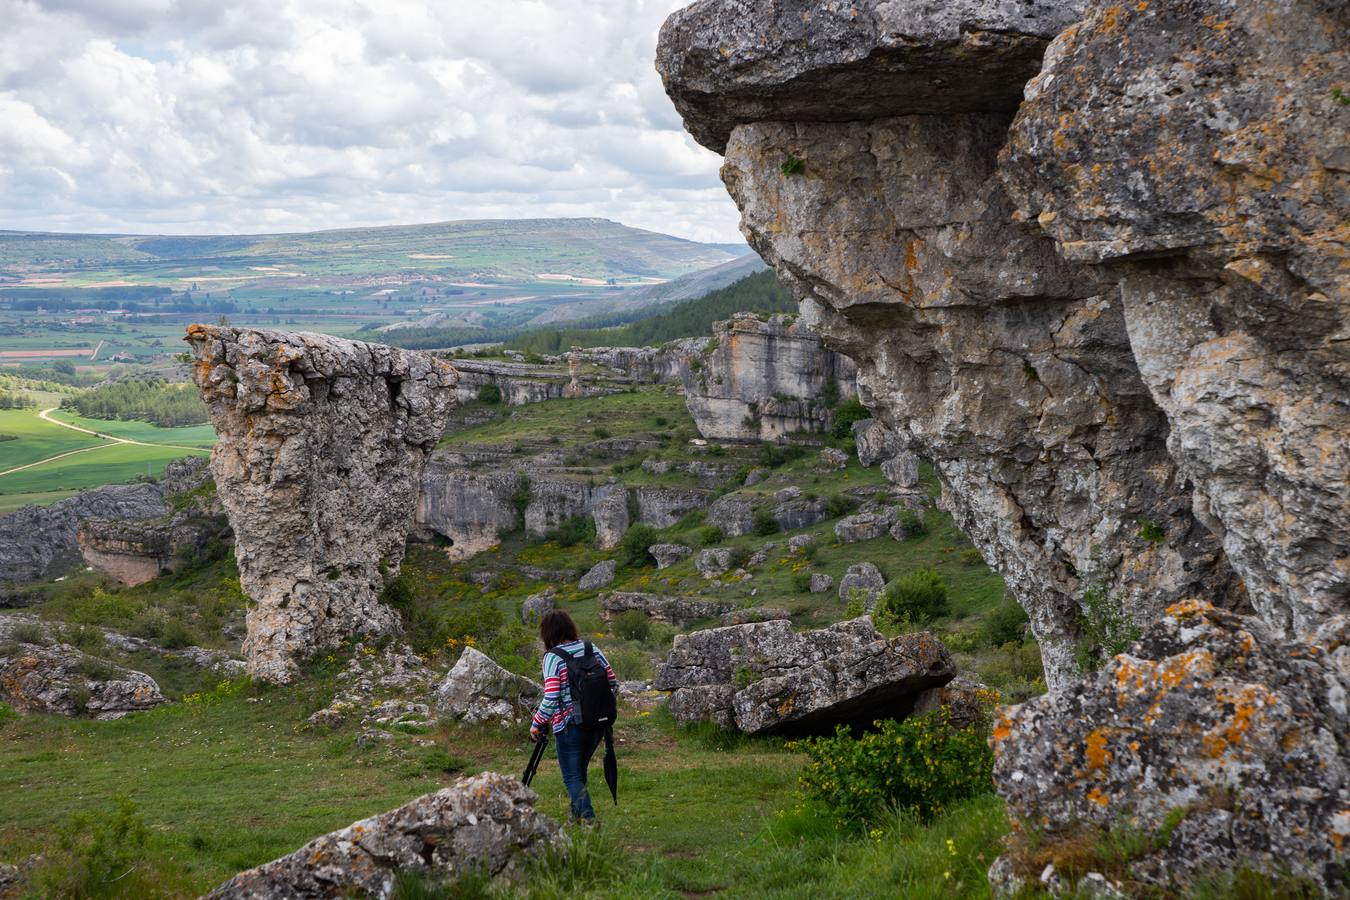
[{"x": 537, "y": 755}]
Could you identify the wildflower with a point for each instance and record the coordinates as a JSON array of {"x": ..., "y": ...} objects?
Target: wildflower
[{"x": 951, "y": 847}]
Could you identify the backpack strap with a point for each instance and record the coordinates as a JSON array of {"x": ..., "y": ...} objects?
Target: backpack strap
[{"x": 589, "y": 651}]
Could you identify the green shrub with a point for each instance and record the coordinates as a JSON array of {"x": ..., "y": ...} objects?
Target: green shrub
[
  {"x": 793, "y": 166},
  {"x": 398, "y": 592},
  {"x": 573, "y": 531},
  {"x": 633, "y": 547},
  {"x": 633, "y": 625},
  {"x": 1104, "y": 627},
  {"x": 848, "y": 412},
  {"x": 763, "y": 523},
  {"x": 629, "y": 662},
  {"x": 913, "y": 523},
  {"x": 175, "y": 635},
  {"x": 28, "y": 633},
  {"x": 102, "y": 608},
  {"x": 7, "y": 714},
  {"x": 490, "y": 393},
  {"x": 840, "y": 505},
  {"x": 1006, "y": 624},
  {"x": 919, "y": 766},
  {"x": 709, "y": 535},
  {"x": 772, "y": 456},
  {"x": 801, "y": 582},
  {"x": 661, "y": 422},
  {"x": 599, "y": 432},
  {"x": 85, "y": 637},
  {"x": 99, "y": 855},
  {"x": 1151, "y": 531},
  {"x": 972, "y": 557},
  {"x": 918, "y": 597}
]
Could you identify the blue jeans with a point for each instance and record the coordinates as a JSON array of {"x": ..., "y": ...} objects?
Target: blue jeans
[{"x": 576, "y": 746}]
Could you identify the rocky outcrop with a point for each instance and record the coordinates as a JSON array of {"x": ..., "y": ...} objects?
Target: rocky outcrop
[
  {"x": 647, "y": 365},
  {"x": 470, "y": 508},
  {"x": 732, "y": 513},
  {"x": 135, "y": 552},
  {"x": 476, "y": 690},
  {"x": 537, "y": 605},
  {"x": 41, "y": 541},
  {"x": 519, "y": 383},
  {"x": 483, "y": 823},
  {"x": 761, "y": 380},
  {"x": 599, "y": 575},
  {"x": 764, "y": 677},
  {"x": 1222, "y": 744},
  {"x": 667, "y": 555},
  {"x": 1007, "y": 367},
  {"x": 661, "y": 608},
  {"x": 1218, "y": 202},
  {"x": 322, "y": 443},
  {"x": 61, "y": 680},
  {"x": 864, "y": 582}
]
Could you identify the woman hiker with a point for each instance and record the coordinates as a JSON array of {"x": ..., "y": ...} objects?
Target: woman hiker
[{"x": 577, "y": 705}]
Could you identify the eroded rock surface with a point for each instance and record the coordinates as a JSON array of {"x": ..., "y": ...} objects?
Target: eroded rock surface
[
  {"x": 477, "y": 690},
  {"x": 761, "y": 380},
  {"x": 977, "y": 344},
  {"x": 764, "y": 677},
  {"x": 1226, "y": 744},
  {"x": 1219, "y": 199},
  {"x": 64, "y": 681},
  {"x": 322, "y": 444},
  {"x": 484, "y": 822}
]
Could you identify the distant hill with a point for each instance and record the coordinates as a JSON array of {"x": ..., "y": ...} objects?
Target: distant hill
[
  {"x": 586, "y": 253},
  {"x": 686, "y": 287}
]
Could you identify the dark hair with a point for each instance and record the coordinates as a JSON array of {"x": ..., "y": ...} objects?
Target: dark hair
[{"x": 557, "y": 627}]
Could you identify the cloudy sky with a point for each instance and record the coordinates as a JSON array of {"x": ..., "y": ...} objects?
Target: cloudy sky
[{"x": 207, "y": 116}]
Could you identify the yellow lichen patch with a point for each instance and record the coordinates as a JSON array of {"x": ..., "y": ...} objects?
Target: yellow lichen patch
[
  {"x": 1003, "y": 727},
  {"x": 1094, "y": 750},
  {"x": 1188, "y": 608},
  {"x": 1098, "y": 797},
  {"x": 1246, "y": 701}
]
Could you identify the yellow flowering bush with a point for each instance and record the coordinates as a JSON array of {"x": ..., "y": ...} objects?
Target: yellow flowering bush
[{"x": 920, "y": 765}]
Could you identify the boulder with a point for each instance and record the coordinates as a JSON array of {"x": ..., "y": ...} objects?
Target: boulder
[
  {"x": 756, "y": 475},
  {"x": 787, "y": 494},
  {"x": 600, "y": 575},
  {"x": 842, "y": 674},
  {"x": 902, "y": 470},
  {"x": 821, "y": 582},
  {"x": 863, "y": 526},
  {"x": 1226, "y": 744},
  {"x": 831, "y": 459},
  {"x": 875, "y": 442},
  {"x": 675, "y": 610},
  {"x": 535, "y": 605},
  {"x": 733, "y": 513},
  {"x": 64, "y": 681},
  {"x": 317, "y": 533},
  {"x": 481, "y": 823},
  {"x": 667, "y": 555},
  {"x": 960, "y": 701},
  {"x": 878, "y": 680},
  {"x": 755, "y": 614},
  {"x": 799, "y": 542},
  {"x": 801, "y": 513},
  {"x": 713, "y": 561},
  {"x": 477, "y": 690},
  {"x": 662, "y": 507},
  {"x": 866, "y": 580}
]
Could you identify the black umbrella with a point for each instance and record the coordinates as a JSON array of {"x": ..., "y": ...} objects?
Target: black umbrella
[
  {"x": 537, "y": 755},
  {"x": 611, "y": 765}
]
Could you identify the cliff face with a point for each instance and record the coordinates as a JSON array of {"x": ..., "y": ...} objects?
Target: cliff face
[
  {"x": 322, "y": 444},
  {"x": 759, "y": 380},
  {"x": 1005, "y": 365},
  {"x": 1112, "y": 310}
]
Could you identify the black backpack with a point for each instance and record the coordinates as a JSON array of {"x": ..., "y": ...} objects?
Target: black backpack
[{"x": 593, "y": 702}]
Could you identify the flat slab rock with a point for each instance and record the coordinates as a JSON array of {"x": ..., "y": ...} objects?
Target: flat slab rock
[
  {"x": 486, "y": 821},
  {"x": 64, "y": 681},
  {"x": 661, "y": 608},
  {"x": 799, "y": 682},
  {"x": 1210, "y": 717},
  {"x": 728, "y": 62}
]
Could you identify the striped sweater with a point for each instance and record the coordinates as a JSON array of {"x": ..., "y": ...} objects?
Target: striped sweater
[{"x": 556, "y": 707}]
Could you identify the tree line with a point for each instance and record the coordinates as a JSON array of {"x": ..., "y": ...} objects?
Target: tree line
[{"x": 144, "y": 399}]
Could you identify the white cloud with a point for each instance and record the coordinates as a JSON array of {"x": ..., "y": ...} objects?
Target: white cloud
[{"x": 200, "y": 116}]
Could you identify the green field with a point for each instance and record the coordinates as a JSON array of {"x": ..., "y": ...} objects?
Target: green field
[{"x": 99, "y": 461}]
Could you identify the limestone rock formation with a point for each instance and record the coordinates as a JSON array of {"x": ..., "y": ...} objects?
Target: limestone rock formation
[
  {"x": 749, "y": 614},
  {"x": 661, "y": 608},
  {"x": 64, "y": 681},
  {"x": 667, "y": 555},
  {"x": 134, "y": 552},
  {"x": 477, "y": 690},
  {"x": 536, "y": 605},
  {"x": 862, "y": 581},
  {"x": 762, "y": 380},
  {"x": 322, "y": 443},
  {"x": 1227, "y": 745},
  {"x": 1219, "y": 202},
  {"x": 470, "y": 508},
  {"x": 600, "y": 575},
  {"x": 1007, "y": 367},
  {"x": 713, "y": 561},
  {"x": 485, "y": 822},
  {"x": 41, "y": 541},
  {"x": 765, "y": 677},
  {"x": 732, "y": 513}
]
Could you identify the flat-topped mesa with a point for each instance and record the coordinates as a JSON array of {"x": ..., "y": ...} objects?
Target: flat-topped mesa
[
  {"x": 1007, "y": 367},
  {"x": 318, "y": 464}
]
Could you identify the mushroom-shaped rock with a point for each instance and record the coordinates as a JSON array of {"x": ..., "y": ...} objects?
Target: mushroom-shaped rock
[{"x": 322, "y": 444}]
